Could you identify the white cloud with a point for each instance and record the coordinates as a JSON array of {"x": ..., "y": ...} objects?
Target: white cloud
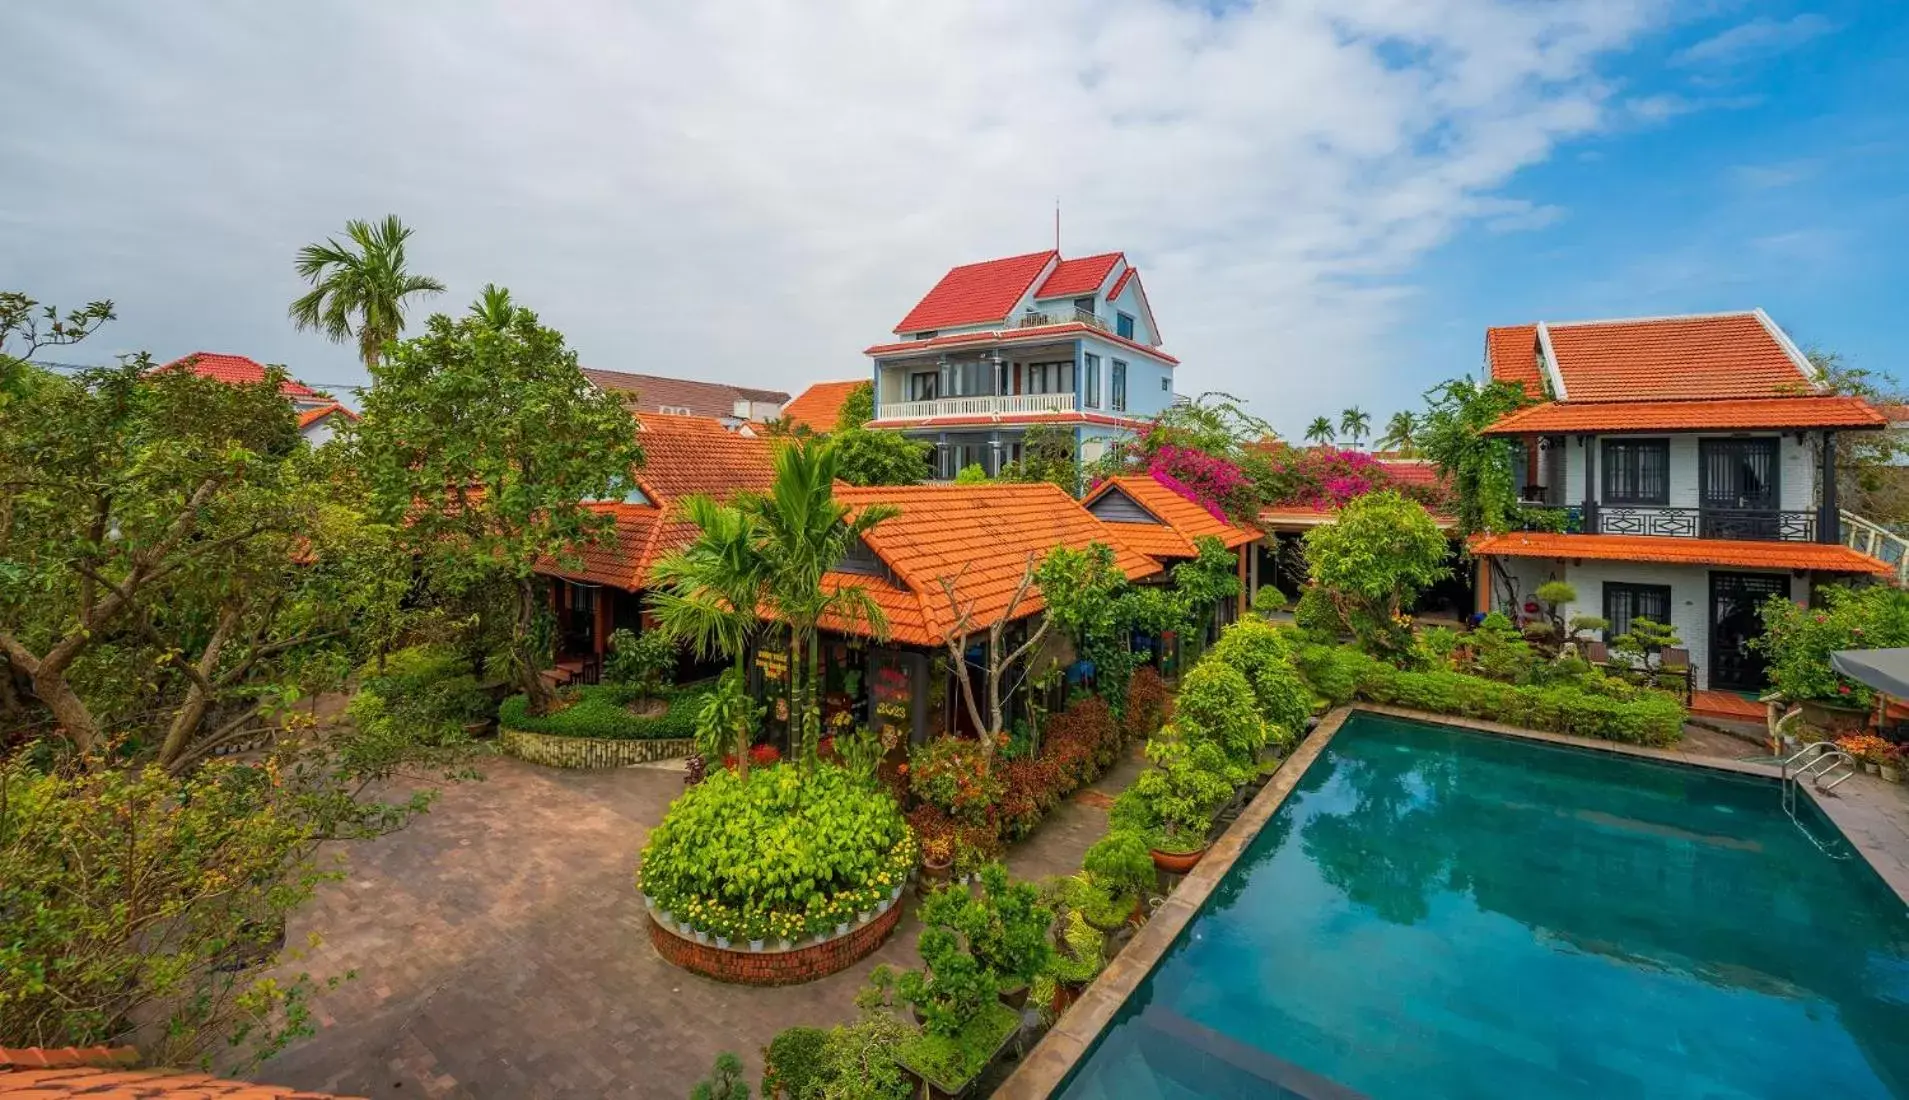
[
  {"x": 756, "y": 191},
  {"x": 1771, "y": 177},
  {"x": 1760, "y": 37}
]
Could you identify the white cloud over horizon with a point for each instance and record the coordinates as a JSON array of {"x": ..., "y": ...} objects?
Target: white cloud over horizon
[{"x": 754, "y": 193}]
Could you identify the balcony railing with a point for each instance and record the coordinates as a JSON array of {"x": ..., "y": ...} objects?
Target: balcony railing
[
  {"x": 1065, "y": 315},
  {"x": 995, "y": 405},
  {"x": 1681, "y": 523}
]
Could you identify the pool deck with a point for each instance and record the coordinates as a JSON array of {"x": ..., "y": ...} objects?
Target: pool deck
[{"x": 1872, "y": 814}]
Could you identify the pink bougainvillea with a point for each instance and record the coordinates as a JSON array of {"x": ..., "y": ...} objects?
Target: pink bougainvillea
[
  {"x": 1327, "y": 477},
  {"x": 1213, "y": 483}
]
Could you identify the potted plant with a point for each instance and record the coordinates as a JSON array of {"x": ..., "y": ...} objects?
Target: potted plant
[
  {"x": 1121, "y": 860},
  {"x": 1077, "y": 960},
  {"x": 1889, "y": 764},
  {"x": 793, "y": 1062},
  {"x": 1182, "y": 791},
  {"x": 1007, "y": 931},
  {"x": 937, "y": 857}
]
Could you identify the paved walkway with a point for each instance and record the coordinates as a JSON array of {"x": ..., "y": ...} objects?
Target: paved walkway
[{"x": 501, "y": 949}]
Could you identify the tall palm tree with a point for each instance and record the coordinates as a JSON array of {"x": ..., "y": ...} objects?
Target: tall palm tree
[
  {"x": 805, "y": 531},
  {"x": 494, "y": 307},
  {"x": 1401, "y": 434},
  {"x": 1320, "y": 431},
  {"x": 359, "y": 288},
  {"x": 1355, "y": 422}
]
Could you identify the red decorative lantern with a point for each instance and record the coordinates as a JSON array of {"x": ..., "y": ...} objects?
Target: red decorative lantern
[{"x": 1531, "y": 607}]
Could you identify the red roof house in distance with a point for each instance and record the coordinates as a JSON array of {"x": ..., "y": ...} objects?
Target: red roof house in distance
[
  {"x": 239, "y": 370},
  {"x": 998, "y": 346},
  {"x": 818, "y": 407},
  {"x": 1676, "y": 468},
  {"x": 733, "y": 406}
]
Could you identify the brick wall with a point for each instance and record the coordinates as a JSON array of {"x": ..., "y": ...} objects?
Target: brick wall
[
  {"x": 587, "y": 752},
  {"x": 746, "y": 967}
]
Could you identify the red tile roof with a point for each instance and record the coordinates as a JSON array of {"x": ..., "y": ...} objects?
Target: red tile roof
[
  {"x": 53, "y": 1074},
  {"x": 979, "y": 535},
  {"x": 236, "y": 369},
  {"x": 1184, "y": 517},
  {"x": 974, "y": 294},
  {"x": 1156, "y": 540},
  {"x": 653, "y": 393},
  {"x": 1033, "y": 334},
  {"x": 1821, "y": 557},
  {"x": 818, "y": 407},
  {"x": 1511, "y": 353},
  {"x": 1740, "y": 414},
  {"x": 1078, "y": 278},
  {"x": 1120, "y": 284},
  {"x": 312, "y": 416},
  {"x": 1723, "y": 355}
]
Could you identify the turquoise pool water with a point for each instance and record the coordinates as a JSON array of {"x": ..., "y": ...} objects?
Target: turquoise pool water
[{"x": 1439, "y": 913}]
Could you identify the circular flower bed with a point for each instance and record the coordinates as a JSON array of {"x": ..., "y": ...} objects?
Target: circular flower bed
[{"x": 783, "y": 855}]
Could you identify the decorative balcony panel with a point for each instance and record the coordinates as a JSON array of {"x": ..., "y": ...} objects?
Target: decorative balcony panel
[
  {"x": 995, "y": 405},
  {"x": 1677, "y": 523}
]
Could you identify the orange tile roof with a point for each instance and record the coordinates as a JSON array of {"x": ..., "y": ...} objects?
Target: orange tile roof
[
  {"x": 1675, "y": 358},
  {"x": 1743, "y": 413},
  {"x": 1156, "y": 540},
  {"x": 681, "y": 422},
  {"x": 312, "y": 416},
  {"x": 236, "y": 369},
  {"x": 1187, "y": 519},
  {"x": 1821, "y": 557},
  {"x": 53, "y": 1074},
  {"x": 1511, "y": 353},
  {"x": 974, "y": 294},
  {"x": 979, "y": 535},
  {"x": 819, "y": 406},
  {"x": 1078, "y": 278}
]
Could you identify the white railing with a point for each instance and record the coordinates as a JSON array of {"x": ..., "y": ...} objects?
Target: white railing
[
  {"x": 1063, "y": 315},
  {"x": 1866, "y": 537},
  {"x": 997, "y": 405}
]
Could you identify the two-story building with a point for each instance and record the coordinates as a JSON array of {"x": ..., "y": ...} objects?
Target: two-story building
[
  {"x": 999, "y": 346},
  {"x": 1685, "y": 467}
]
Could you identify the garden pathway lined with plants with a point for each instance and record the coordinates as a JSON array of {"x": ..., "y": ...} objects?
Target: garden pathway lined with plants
[{"x": 502, "y": 950}]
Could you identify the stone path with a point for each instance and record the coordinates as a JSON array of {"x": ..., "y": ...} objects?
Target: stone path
[{"x": 501, "y": 949}]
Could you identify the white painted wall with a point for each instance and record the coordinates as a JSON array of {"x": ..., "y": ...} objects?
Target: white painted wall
[{"x": 1796, "y": 486}]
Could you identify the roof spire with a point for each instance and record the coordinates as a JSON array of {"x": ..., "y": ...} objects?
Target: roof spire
[{"x": 1057, "y": 225}]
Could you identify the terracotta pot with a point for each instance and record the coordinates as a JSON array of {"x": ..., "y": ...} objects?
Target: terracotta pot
[
  {"x": 1064, "y": 995},
  {"x": 1015, "y": 999},
  {"x": 1177, "y": 863},
  {"x": 1834, "y": 719}
]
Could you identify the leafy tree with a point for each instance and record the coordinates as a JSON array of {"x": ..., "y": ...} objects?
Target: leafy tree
[
  {"x": 494, "y": 307},
  {"x": 359, "y": 288},
  {"x": 866, "y": 457},
  {"x": 485, "y": 443},
  {"x": 1370, "y": 562},
  {"x": 1048, "y": 453},
  {"x": 724, "y": 1082},
  {"x": 1478, "y": 467},
  {"x": 1401, "y": 433},
  {"x": 710, "y": 594},
  {"x": 1355, "y": 422},
  {"x": 858, "y": 408},
  {"x": 1321, "y": 431},
  {"x": 1868, "y": 464},
  {"x": 972, "y": 474}
]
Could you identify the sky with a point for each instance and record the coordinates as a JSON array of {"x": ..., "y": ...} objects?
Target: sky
[{"x": 1329, "y": 200}]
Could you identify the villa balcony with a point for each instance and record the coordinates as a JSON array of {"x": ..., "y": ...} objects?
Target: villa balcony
[
  {"x": 1063, "y": 315},
  {"x": 994, "y": 405},
  {"x": 1687, "y": 523}
]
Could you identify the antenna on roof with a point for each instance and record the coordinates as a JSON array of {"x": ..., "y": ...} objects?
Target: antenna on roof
[{"x": 1057, "y": 223}]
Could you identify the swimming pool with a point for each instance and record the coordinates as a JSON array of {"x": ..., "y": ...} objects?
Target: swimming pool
[{"x": 1440, "y": 913}]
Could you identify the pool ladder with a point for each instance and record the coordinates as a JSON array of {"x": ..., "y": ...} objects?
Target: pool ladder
[{"x": 1825, "y": 765}]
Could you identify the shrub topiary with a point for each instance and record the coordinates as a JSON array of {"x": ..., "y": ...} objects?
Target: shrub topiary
[
  {"x": 1120, "y": 859},
  {"x": 1261, "y": 652},
  {"x": 794, "y": 1062},
  {"x": 1217, "y": 706},
  {"x": 781, "y": 854}
]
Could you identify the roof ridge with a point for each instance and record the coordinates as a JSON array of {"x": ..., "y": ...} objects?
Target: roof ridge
[{"x": 1647, "y": 319}]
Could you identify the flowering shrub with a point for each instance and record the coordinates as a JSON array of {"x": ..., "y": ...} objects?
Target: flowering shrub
[
  {"x": 1799, "y": 640},
  {"x": 777, "y": 855},
  {"x": 760, "y": 756},
  {"x": 953, "y": 773},
  {"x": 1215, "y": 484},
  {"x": 1868, "y": 747},
  {"x": 1327, "y": 477},
  {"x": 1030, "y": 789}
]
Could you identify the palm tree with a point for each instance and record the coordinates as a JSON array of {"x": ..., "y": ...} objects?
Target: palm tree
[
  {"x": 1355, "y": 422},
  {"x": 1401, "y": 434},
  {"x": 494, "y": 307},
  {"x": 710, "y": 593},
  {"x": 1320, "y": 431},
  {"x": 359, "y": 291},
  {"x": 804, "y": 532}
]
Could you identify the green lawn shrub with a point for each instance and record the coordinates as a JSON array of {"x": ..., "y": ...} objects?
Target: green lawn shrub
[{"x": 602, "y": 711}]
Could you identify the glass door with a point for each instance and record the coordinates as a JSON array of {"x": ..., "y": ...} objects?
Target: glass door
[{"x": 1734, "y": 623}]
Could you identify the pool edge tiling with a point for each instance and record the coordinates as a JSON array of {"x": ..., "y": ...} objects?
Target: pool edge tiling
[{"x": 1054, "y": 1057}]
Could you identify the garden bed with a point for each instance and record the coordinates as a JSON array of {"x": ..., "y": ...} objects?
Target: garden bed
[
  {"x": 773, "y": 965},
  {"x": 604, "y": 712}
]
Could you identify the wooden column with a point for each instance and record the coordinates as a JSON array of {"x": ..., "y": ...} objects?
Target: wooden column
[
  {"x": 1245, "y": 595},
  {"x": 1481, "y": 595},
  {"x": 601, "y": 629}
]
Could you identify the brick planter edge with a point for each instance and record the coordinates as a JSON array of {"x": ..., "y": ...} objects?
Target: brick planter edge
[
  {"x": 802, "y": 964},
  {"x": 589, "y": 752}
]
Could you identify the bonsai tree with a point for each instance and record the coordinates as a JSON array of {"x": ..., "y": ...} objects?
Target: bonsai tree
[
  {"x": 1553, "y": 597},
  {"x": 1120, "y": 861},
  {"x": 724, "y": 1082},
  {"x": 1644, "y": 643},
  {"x": 1182, "y": 791},
  {"x": 1005, "y": 926},
  {"x": 1502, "y": 652},
  {"x": 954, "y": 987},
  {"x": 1217, "y": 705},
  {"x": 1373, "y": 561}
]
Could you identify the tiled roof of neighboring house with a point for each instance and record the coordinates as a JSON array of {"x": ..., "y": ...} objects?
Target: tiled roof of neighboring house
[
  {"x": 1820, "y": 557},
  {"x": 655, "y": 393},
  {"x": 1080, "y": 277},
  {"x": 979, "y": 535},
  {"x": 236, "y": 369},
  {"x": 1033, "y": 334},
  {"x": 1743, "y": 413},
  {"x": 682, "y": 456},
  {"x": 312, "y": 416},
  {"x": 101, "y": 1073},
  {"x": 1184, "y": 517},
  {"x": 975, "y": 294},
  {"x": 1511, "y": 353},
  {"x": 1676, "y": 358},
  {"x": 1156, "y": 540},
  {"x": 649, "y": 421},
  {"x": 818, "y": 406}
]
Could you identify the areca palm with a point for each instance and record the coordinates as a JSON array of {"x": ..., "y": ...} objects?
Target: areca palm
[
  {"x": 359, "y": 288},
  {"x": 1320, "y": 431},
  {"x": 1355, "y": 422},
  {"x": 1401, "y": 434},
  {"x": 494, "y": 307}
]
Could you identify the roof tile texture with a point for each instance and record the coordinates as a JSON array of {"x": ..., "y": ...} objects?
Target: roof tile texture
[
  {"x": 1080, "y": 277},
  {"x": 100, "y": 1073},
  {"x": 818, "y": 406},
  {"x": 1822, "y": 557},
  {"x": 975, "y": 294},
  {"x": 236, "y": 369},
  {"x": 653, "y": 392},
  {"x": 1729, "y": 355},
  {"x": 1187, "y": 519},
  {"x": 1744, "y": 413},
  {"x": 1512, "y": 352}
]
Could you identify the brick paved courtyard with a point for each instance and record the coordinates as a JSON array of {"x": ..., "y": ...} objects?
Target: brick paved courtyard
[{"x": 501, "y": 950}]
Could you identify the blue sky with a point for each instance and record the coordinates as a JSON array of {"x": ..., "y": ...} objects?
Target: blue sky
[
  {"x": 1329, "y": 200},
  {"x": 1778, "y": 177}
]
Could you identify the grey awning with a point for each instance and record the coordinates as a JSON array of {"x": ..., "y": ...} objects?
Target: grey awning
[{"x": 1886, "y": 670}]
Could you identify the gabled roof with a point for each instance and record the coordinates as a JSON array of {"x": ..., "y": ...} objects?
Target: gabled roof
[
  {"x": 980, "y": 536},
  {"x": 1120, "y": 284},
  {"x": 1817, "y": 556},
  {"x": 1511, "y": 355},
  {"x": 976, "y": 294},
  {"x": 653, "y": 393},
  {"x": 1740, "y": 414},
  {"x": 818, "y": 407},
  {"x": 1185, "y": 519},
  {"x": 313, "y": 415},
  {"x": 1078, "y": 278},
  {"x": 236, "y": 369},
  {"x": 1688, "y": 358}
]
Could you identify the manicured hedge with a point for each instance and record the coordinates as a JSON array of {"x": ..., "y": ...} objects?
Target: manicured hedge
[
  {"x": 1342, "y": 675},
  {"x": 601, "y": 711}
]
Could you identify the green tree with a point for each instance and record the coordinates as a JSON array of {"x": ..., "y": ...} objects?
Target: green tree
[
  {"x": 1371, "y": 561},
  {"x": 486, "y": 444},
  {"x": 1355, "y": 422},
  {"x": 1048, "y": 453},
  {"x": 1477, "y": 466},
  {"x": 972, "y": 474},
  {"x": 359, "y": 288},
  {"x": 1321, "y": 431},
  {"x": 1401, "y": 433},
  {"x": 1868, "y": 464},
  {"x": 865, "y": 457},
  {"x": 858, "y": 408},
  {"x": 494, "y": 307}
]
